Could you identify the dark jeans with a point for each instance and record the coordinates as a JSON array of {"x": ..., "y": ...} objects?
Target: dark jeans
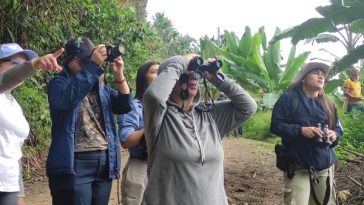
[
  {"x": 91, "y": 184},
  {"x": 359, "y": 107},
  {"x": 8, "y": 198}
]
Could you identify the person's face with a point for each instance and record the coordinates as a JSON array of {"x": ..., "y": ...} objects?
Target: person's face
[
  {"x": 12, "y": 61},
  {"x": 192, "y": 86},
  {"x": 315, "y": 79},
  {"x": 152, "y": 73},
  {"x": 76, "y": 64},
  {"x": 355, "y": 74}
]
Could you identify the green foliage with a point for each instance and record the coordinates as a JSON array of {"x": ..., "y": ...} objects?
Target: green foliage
[
  {"x": 341, "y": 22},
  {"x": 254, "y": 64},
  {"x": 353, "y": 133},
  {"x": 173, "y": 43},
  {"x": 258, "y": 126},
  {"x": 35, "y": 106}
]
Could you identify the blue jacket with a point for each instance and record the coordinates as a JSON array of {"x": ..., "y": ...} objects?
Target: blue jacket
[
  {"x": 287, "y": 122},
  {"x": 65, "y": 94},
  {"x": 130, "y": 123}
]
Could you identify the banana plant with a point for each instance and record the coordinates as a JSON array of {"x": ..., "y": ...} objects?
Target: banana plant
[
  {"x": 255, "y": 64},
  {"x": 342, "y": 22}
]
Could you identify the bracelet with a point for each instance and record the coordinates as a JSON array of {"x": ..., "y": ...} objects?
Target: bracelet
[{"x": 120, "y": 82}]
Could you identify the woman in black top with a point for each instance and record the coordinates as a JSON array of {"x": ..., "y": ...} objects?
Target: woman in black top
[{"x": 306, "y": 120}]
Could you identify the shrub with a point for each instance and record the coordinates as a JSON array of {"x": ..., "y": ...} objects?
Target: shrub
[
  {"x": 258, "y": 126},
  {"x": 353, "y": 136}
]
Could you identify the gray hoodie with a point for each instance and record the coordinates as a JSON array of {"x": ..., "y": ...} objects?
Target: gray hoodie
[{"x": 185, "y": 165}]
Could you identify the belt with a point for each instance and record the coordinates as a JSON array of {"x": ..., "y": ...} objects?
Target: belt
[{"x": 88, "y": 154}]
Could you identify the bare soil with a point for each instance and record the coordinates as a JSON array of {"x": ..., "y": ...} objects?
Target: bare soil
[{"x": 250, "y": 176}]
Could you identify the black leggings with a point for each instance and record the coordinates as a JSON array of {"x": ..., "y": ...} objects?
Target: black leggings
[{"x": 8, "y": 198}]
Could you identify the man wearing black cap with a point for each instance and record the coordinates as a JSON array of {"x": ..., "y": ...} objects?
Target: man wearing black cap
[{"x": 84, "y": 155}]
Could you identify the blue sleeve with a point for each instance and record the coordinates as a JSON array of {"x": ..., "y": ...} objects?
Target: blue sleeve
[
  {"x": 281, "y": 124},
  {"x": 129, "y": 123},
  {"x": 66, "y": 93}
]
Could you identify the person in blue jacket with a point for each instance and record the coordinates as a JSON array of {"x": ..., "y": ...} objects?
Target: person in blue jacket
[
  {"x": 84, "y": 156},
  {"x": 307, "y": 121},
  {"x": 131, "y": 132}
]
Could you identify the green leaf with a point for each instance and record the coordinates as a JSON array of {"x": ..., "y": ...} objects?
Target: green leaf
[
  {"x": 231, "y": 42},
  {"x": 293, "y": 68},
  {"x": 350, "y": 59},
  {"x": 333, "y": 84},
  {"x": 357, "y": 26},
  {"x": 245, "y": 44},
  {"x": 342, "y": 14},
  {"x": 263, "y": 38},
  {"x": 257, "y": 58}
]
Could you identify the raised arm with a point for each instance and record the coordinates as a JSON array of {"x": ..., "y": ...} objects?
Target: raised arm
[
  {"x": 156, "y": 96},
  {"x": 13, "y": 77},
  {"x": 230, "y": 114}
]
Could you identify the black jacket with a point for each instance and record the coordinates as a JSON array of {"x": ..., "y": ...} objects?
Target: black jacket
[{"x": 294, "y": 110}]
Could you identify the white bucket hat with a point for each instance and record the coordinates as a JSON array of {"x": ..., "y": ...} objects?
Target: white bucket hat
[{"x": 10, "y": 49}]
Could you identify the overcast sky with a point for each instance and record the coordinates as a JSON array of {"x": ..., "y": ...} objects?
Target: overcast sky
[{"x": 202, "y": 17}]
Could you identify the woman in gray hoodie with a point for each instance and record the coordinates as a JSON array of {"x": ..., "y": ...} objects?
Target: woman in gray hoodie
[{"x": 184, "y": 138}]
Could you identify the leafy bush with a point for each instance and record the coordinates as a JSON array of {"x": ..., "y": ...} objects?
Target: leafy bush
[
  {"x": 353, "y": 136},
  {"x": 258, "y": 126}
]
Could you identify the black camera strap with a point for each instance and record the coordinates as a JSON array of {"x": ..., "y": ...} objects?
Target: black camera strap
[{"x": 314, "y": 180}]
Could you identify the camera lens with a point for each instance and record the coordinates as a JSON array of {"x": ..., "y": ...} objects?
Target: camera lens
[
  {"x": 197, "y": 75},
  {"x": 115, "y": 51},
  {"x": 216, "y": 65},
  {"x": 195, "y": 63}
]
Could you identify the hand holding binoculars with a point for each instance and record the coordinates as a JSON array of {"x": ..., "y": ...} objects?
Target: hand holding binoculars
[{"x": 199, "y": 66}]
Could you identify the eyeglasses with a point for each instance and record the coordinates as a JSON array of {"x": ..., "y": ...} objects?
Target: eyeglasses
[{"x": 14, "y": 61}]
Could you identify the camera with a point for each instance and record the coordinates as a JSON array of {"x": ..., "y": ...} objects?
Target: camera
[
  {"x": 115, "y": 51},
  {"x": 199, "y": 67},
  {"x": 325, "y": 129}
]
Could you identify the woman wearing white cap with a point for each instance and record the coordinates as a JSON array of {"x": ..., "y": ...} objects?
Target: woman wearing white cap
[
  {"x": 307, "y": 121},
  {"x": 16, "y": 65}
]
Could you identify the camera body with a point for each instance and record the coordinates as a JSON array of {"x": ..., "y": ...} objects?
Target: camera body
[
  {"x": 324, "y": 139},
  {"x": 199, "y": 67},
  {"x": 115, "y": 51}
]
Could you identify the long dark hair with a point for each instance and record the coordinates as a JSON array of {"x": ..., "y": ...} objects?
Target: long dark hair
[
  {"x": 141, "y": 79},
  {"x": 329, "y": 107}
]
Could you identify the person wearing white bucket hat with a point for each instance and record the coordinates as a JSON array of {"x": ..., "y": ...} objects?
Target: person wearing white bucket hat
[{"x": 16, "y": 65}]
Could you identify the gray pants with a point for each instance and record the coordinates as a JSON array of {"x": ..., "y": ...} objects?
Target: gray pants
[
  {"x": 297, "y": 190},
  {"x": 134, "y": 181}
]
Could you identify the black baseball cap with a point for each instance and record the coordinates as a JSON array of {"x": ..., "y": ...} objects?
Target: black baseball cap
[{"x": 81, "y": 47}]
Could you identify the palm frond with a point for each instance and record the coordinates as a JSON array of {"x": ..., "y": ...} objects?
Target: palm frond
[
  {"x": 322, "y": 38},
  {"x": 351, "y": 58}
]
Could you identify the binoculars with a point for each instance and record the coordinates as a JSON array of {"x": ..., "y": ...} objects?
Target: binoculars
[
  {"x": 325, "y": 129},
  {"x": 115, "y": 51},
  {"x": 199, "y": 67}
]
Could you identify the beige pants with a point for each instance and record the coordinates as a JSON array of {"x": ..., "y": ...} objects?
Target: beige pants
[
  {"x": 134, "y": 181},
  {"x": 297, "y": 190}
]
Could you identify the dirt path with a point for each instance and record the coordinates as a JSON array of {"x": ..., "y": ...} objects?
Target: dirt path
[{"x": 250, "y": 176}]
